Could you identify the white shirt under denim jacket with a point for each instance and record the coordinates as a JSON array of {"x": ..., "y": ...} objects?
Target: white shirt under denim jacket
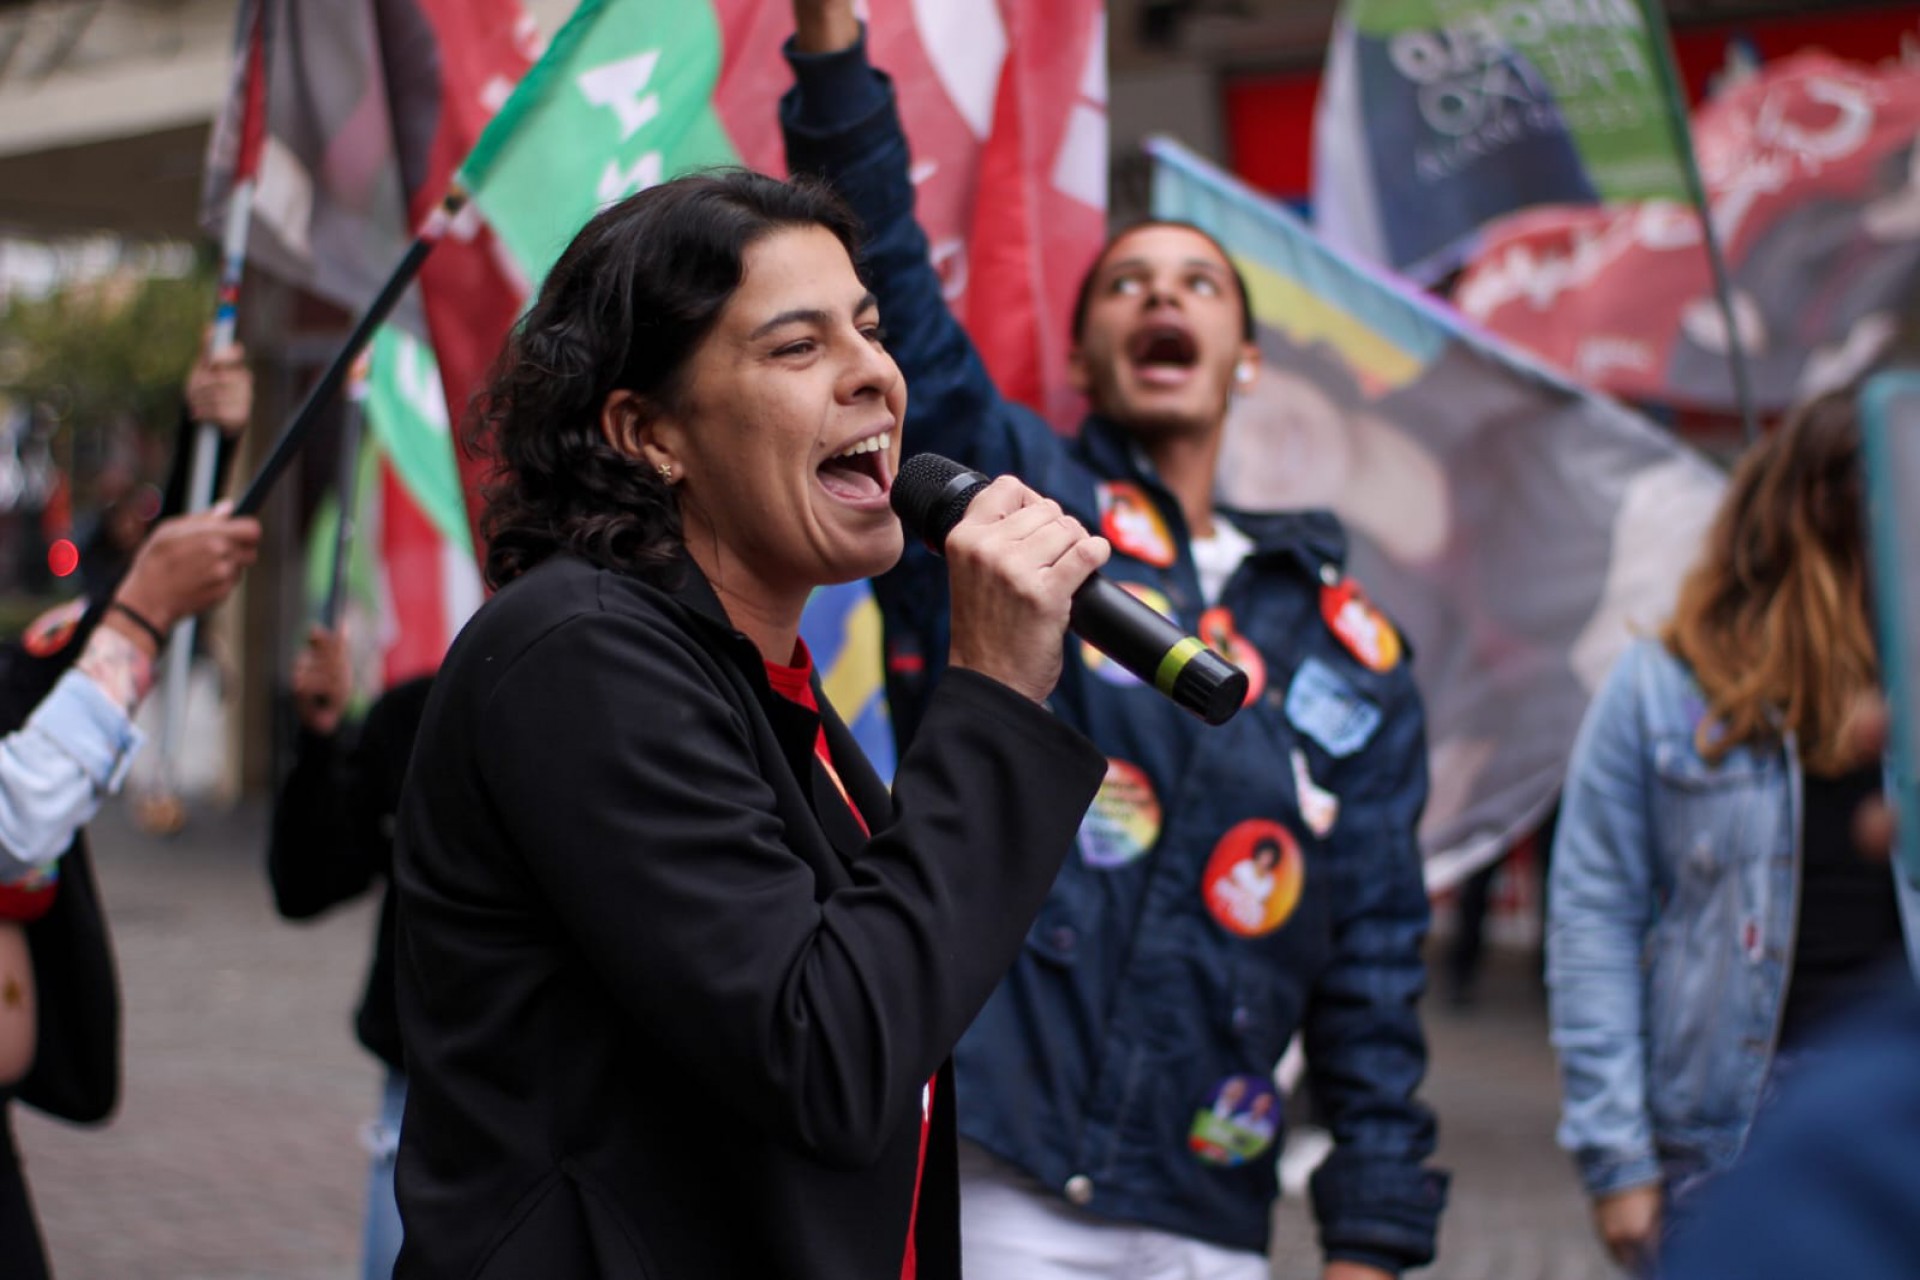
[{"x": 1671, "y": 923}]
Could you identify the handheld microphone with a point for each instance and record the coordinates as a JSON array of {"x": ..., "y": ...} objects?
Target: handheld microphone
[{"x": 931, "y": 494}]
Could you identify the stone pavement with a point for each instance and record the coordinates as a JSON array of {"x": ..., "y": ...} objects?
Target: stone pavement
[{"x": 236, "y": 1154}]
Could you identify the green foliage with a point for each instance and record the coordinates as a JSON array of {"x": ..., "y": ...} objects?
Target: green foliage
[{"x": 107, "y": 351}]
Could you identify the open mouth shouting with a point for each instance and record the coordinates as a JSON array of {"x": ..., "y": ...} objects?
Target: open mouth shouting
[
  {"x": 862, "y": 473},
  {"x": 1163, "y": 355}
]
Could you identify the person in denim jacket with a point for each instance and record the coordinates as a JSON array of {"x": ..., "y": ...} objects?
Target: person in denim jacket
[
  {"x": 1707, "y": 907},
  {"x": 1232, "y": 885}
]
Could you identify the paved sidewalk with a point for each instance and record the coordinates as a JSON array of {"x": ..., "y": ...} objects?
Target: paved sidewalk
[
  {"x": 1516, "y": 1211},
  {"x": 236, "y": 1152},
  {"x": 235, "y": 1155}
]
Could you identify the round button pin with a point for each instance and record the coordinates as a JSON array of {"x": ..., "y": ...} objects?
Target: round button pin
[
  {"x": 1124, "y": 821},
  {"x": 1080, "y": 1190},
  {"x": 1238, "y": 1120},
  {"x": 1254, "y": 878}
]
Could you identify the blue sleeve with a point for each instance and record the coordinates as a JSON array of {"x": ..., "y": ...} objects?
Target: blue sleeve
[
  {"x": 842, "y": 125},
  {"x": 1600, "y": 907},
  {"x": 1376, "y": 1201},
  {"x": 56, "y": 769}
]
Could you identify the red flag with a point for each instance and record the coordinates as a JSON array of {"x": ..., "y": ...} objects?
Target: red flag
[
  {"x": 428, "y": 585},
  {"x": 471, "y": 298},
  {"x": 1005, "y": 107},
  {"x": 370, "y": 107},
  {"x": 1812, "y": 170},
  {"x": 1039, "y": 205},
  {"x": 252, "y": 95}
]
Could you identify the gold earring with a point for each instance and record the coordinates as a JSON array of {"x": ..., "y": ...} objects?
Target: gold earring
[{"x": 666, "y": 472}]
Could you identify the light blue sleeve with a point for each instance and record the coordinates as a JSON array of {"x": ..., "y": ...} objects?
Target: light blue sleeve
[
  {"x": 1600, "y": 906},
  {"x": 74, "y": 750}
]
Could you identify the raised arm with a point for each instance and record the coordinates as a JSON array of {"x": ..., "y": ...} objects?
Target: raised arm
[
  {"x": 75, "y": 747},
  {"x": 841, "y": 124}
]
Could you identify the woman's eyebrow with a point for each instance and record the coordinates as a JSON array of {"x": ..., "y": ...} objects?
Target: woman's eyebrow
[{"x": 817, "y": 316}]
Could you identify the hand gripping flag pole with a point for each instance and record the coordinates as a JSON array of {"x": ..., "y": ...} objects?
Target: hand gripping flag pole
[{"x": 163, "y": 808}]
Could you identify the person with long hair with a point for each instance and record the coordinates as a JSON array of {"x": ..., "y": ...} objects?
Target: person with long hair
[
  {"x": 678, "y": 977},
  {"x": 1708, "y": 907}
]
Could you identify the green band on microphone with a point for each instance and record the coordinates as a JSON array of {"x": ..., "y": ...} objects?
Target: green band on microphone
[{"x": 1175, "y": 662}]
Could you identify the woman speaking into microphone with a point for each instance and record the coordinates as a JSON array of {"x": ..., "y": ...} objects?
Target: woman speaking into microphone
[{"x": 678, "y": 975}]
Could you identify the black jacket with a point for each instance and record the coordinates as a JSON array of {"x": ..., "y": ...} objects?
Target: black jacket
[
  {"x": 332, "y": 838},
  {"x": 667, "y": 1012}
]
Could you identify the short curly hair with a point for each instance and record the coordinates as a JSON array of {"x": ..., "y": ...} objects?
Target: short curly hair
[
  {"x": 625, "y": 307},
  {"x": 1083, "y": 296}
]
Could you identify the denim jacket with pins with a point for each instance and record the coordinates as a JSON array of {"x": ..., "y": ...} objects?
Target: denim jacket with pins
[
  {"x": 1672, "y": 917},
  {"x": 1126, "y": 1060}
]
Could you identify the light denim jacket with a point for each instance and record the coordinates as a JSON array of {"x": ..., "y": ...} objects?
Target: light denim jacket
[
  {"x": 73, "y": 751},
  {"x": 1671, "y": 920}
]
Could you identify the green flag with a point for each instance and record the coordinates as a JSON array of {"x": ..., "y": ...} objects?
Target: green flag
[{"x": 611, "y": 108}]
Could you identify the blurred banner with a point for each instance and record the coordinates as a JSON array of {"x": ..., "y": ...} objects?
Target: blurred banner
[
  {"x": 1436, "y": 116},
  {"x": 1813, "y": 175},
  {"x": 370, "y": 105},
  {"x": 1518, "y": 529},
  {"x": 1005, "y": 105}
]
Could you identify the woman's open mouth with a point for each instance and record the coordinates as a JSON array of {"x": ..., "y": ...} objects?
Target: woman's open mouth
[{"x": 862, "y": 472}]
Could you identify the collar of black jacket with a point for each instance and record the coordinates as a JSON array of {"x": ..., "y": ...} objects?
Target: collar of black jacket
[
  {"x": 1315, "y": 539},
  {"x": 796, "y": 727},
  {"x": 684, "y": 584}
]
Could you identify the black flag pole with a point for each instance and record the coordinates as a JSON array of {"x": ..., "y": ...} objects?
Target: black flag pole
[
  {"x": 1673, "y": 92},
  {"x": 294, "y": 438}
]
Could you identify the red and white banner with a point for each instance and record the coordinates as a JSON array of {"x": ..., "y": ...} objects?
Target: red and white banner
[
  {"x": 1005, "y": 105},
  {"x": 1813, "y": 176}
]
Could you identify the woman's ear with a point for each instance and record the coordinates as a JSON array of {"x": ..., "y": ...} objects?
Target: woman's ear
[
  {"x": 632, "y": 426},
  {"x": 622, "y": 417}
]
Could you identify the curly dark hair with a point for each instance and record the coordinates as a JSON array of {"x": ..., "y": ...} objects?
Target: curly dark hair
[{"x": 625, "y": 308}]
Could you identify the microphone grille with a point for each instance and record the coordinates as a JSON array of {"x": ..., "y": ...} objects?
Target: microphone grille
[{"x": 930, "y": 495}]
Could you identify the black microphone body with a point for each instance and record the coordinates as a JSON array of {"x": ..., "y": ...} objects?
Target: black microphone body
[{"x": 931, "y": 494}]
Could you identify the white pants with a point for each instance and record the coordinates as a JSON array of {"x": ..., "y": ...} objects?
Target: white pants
[{"x": 1012, "y": 1228}]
